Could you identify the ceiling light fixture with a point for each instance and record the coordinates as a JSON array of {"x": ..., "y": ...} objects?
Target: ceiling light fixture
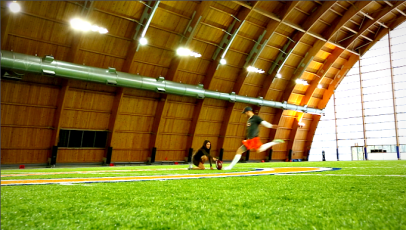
[
  {"x": 302, "y": 82},
  {"x": 95, "y": 28},
  {"x": 14, "y": 7},
  {"x": 255, "y": 70},
  {"x": 79, "y": 24},
  {"x": 187, "y": 52},
  {"x": 182, "y": 51},
  {"x": 143, "y": 41},
  {"x": 103, "y": 31}
]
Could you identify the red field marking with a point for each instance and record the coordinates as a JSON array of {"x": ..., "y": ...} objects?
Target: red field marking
[{"x": 264, "y": 171}]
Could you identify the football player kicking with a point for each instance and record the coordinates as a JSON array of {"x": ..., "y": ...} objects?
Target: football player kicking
[{"x": 253, "y": 141}]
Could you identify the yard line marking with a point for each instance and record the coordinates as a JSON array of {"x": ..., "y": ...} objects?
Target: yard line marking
[
  {"x": 370, "y": 167},
  {"x": 89, "y": 172},
  {"x": 257, "y": 172},
  {"x": 341, "y": 175}
]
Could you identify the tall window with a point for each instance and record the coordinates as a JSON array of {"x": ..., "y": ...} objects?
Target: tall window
[
  {"x": 398, "y": 43},
  {"x": 364, "y": 102}
]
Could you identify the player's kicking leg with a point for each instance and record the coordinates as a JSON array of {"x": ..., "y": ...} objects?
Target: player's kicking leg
[
  {"x": 237, "y": 157},
  {"x": 270, "y": 144}
]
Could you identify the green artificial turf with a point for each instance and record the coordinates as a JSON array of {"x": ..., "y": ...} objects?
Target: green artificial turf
[{"x": 350, "y": 200}]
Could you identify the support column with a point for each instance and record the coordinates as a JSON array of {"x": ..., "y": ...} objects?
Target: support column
[
  {"x": 362, "y": 110},
  {"x": 57, "y": 121},
  {"x": 335, "y": 124},
  {"x": 312, "y": 131},
  {"x": 112, "y": 123},
  {"x": 394, "y": 99},
  {"x": 176, "y": 62}
]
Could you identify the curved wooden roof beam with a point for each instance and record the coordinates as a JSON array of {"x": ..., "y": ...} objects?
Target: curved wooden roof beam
[
  {"x": 176, "y": 61},
  {"x": 350, "y": 43},
  {"x": 288, "y": 92},
  {"x": 331, "y": 32},
  {"x": 321, "y": 73},
  {"x": 132, "y": 49},
  {"x": 345, "y": 68},
  {"x": 6, "y": 19},
  {"x": 326, "y": 66},
  {"x": 348, "y": 65},
  {"x": 208, "y": 81},
  {"x": 230, "y": 107},
  {"x": 383, "y": 32},
  {"x": 326, "y": 97},
  {"x": 242, "y": 78},
  {"x": 73, "y": 56},
  {"x": 77, "y": 37},
  {"x": 315, "y": 16}
]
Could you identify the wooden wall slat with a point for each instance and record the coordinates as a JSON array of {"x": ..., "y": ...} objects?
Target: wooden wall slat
[
  {"x": 6, "y": 18},
  {"x": 24, "y": 156},
  {"x": 80, "y": 155},
  {"x": 29, "y": 106},
  {"x": 27, "y": 120}
]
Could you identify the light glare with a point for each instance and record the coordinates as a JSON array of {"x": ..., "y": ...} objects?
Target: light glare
[
  {"x": 319, "y": 86},
  {"x": 79, "y": 24},
  {"x": 143, "y": 41},
  {"x": 278, "y": 75},
  {"x": 302, "y": 82},
  {"x": 255, "y": 70},
  {"x": 103, "y": 31},
  {"x": 14, "y": 7},
  {"x": 187, "y": 52},
  {"x": 223, "y": 61},
  {"x": 75, "y": 23},
  {"x": 85, "y": 26},
  {"x": 95, "y": 28},
  {"x": 182, "y": 51}
]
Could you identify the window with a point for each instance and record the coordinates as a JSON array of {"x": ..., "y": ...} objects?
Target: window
[
  {"x": 82, "y": 139},
  {"x": 381, "y": 148},
  {"x": 373, "y": 116}
]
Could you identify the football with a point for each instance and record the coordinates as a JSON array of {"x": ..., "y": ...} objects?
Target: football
[{"x": 219, "y": 164}]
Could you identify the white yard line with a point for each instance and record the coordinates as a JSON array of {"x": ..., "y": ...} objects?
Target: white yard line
[
  {"x": 370, "y": 167},
  {"x": 337, "y": 175},
  {"x": 87, "y": 172}
]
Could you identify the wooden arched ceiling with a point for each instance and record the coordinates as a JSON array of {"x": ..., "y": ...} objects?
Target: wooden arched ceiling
[{"x": 317, "y": 41}]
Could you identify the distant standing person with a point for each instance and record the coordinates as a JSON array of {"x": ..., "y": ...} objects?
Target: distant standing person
[
  {"x": 201, "y": 156},
  {"x": 253, "y": 141}
]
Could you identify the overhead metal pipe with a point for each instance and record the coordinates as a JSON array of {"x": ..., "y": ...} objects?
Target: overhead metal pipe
[{"x": 47, "y": 66}]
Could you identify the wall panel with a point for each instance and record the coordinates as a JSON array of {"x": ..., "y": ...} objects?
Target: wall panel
[{"x": 73, "y": 155}]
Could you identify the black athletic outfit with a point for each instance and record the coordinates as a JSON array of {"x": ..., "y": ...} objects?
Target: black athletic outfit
[
  {"x": 197, "y": 157},
  {"x": 253, "y": 126}
]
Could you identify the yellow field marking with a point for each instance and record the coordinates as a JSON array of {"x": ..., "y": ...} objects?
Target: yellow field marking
[
  {"x": 84, "y": 172},
  {"x": 264, "y": 171}
]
